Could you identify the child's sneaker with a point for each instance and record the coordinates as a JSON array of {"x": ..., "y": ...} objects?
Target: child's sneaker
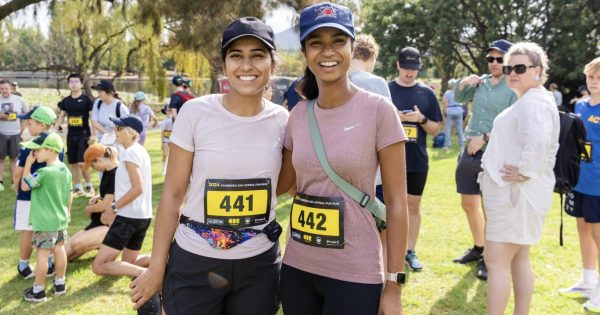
[
  {"x": 26, "y": 273},
  {"x": 578, "y": 290},
  {"x": 35, "y": 297},
  {"x": 78, "y": 193},
  {"x": 89, "y": 191},
  {"x": 51, "y": 271},
  {"x": 60, "y": 289}
]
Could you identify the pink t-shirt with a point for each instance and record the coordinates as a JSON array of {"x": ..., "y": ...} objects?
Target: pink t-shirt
[
  {"x": 352, "y": 135},
  {"x": 228, "y": 147}
]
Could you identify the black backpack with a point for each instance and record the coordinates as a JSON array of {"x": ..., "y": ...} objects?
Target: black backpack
[
  {"x": 570, "y": 152},
  {"x": 118, "y": 110}
]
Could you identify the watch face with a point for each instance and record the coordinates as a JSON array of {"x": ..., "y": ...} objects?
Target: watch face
[{"x": 401, "y": 278}]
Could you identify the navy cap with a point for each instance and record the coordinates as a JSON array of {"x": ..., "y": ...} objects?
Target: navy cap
[
  {"x": 501, "y": 45},
  {"x": 247, "y": 26},
  {"x": 409, "y": 58},
  {"x": 129, "y": 121},
  {"x": 105, "y": 85},
  {"x": 177, "y": 80},
  {"x": 326, "y": 14}
]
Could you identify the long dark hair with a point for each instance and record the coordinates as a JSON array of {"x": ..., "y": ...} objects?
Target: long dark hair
[{"x": 307, "y": 87}]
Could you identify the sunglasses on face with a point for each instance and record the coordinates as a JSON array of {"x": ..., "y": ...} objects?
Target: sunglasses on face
[
  {"x": 519, "y": 69},
  {"x": 491, "y": 59}
]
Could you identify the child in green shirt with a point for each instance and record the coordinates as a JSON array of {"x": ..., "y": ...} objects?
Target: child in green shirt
[{"x": 49, "y": 216}]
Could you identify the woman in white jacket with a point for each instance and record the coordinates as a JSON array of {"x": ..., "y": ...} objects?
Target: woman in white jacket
[{"x": 518, "y": 178}]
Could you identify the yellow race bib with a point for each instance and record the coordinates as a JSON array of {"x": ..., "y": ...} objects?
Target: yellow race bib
[
  {"x": 12, "y": 116},
  {"x": 411, "y": 131},
  {"x": 76, "y": 121},
  {"x": 318, "y": 221},
  {"x": 167, "y": 134},
  {"x": 237, "y": 202}
]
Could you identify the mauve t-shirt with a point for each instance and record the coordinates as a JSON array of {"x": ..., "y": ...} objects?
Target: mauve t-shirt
[{"x": 352, "y": 135}]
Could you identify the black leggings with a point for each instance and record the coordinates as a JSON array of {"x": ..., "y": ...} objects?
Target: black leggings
[{"x": 305, "y": 293}]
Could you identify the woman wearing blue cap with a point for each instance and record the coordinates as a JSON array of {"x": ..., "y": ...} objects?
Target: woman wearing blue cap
[
  {"x": 225, "y": 258},
  {"x": 333, "y": 262},
  {"x": 144, "y": 112}
]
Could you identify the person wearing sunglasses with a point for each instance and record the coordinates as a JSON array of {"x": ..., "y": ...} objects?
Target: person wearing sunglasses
[
  {"x": 518, "y": 177},
  {"x": 490, "y": 95}
]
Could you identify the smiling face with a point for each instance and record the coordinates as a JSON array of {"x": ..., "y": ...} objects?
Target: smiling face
[
  {"x": 248, "y": 66},
  {"x": 520, "y": 83},
  {"x": 328, "y": 53}
]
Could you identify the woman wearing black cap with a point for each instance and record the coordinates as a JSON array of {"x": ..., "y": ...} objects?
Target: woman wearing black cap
[
  {"x": 333, "y": 262},
  {"x": 107, "y": 105},
  {"x": 225, "y": 258}
]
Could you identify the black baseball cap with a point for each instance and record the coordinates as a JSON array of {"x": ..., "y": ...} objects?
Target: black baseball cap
[
  {"x": 132, "y": 121},
  {"x": 501, "y": 45},
  {"x": 105, "y": 85},
  {"x": 409, "y": 58},
  {"x": 247, "y": 26}
]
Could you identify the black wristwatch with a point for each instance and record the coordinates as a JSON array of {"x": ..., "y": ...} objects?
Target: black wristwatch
[
  {"x": 399, "y": 278},
  {"x": 114, "y": 207},
  {"x": 424, "y": 121}
]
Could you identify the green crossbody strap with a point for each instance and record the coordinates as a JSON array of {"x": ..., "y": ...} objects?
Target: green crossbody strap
[{"x": 364, "y": 200}]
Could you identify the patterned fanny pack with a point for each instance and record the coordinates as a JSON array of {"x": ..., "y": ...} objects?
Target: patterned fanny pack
[{"x": 226, "y": 238}]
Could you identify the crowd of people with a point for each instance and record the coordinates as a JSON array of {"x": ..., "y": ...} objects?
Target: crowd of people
[{"x": 352, "y": 153}]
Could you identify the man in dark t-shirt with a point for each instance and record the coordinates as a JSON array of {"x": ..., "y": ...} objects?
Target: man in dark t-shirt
[
  {"x": 76, "y": 108},
  {"x": 421, "y": 115},
  {"x": 180, "y": 96}
]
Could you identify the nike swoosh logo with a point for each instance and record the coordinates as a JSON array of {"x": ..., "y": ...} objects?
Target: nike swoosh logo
[{"x": 351, "y": 127}]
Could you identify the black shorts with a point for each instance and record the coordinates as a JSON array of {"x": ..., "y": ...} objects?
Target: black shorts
[
  {"x": 415, "y": 183},
  {"x": 306, "y": 293},
  {"x": 467, "y": 170},
  {"x": 126, "y": 233},
  {"x": 583, "y": 206},
  {"x": 76, "y": 146},
  {"x": 9, "y": 146},
  {"x": 195, "y": 284}
]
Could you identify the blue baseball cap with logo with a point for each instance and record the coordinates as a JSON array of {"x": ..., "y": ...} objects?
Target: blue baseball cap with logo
[
  {"x": 131, "y": 121},
  {"x": 501, "y": 45},
  {"x": 326, "y": 14}
]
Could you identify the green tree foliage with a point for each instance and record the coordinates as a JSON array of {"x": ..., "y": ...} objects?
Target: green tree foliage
[{"x": 454, "y": 34}]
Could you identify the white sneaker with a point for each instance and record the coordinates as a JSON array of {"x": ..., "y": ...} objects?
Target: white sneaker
[
  {"x": 578, "y": 290},
  {"x": 593, "y": 304}
]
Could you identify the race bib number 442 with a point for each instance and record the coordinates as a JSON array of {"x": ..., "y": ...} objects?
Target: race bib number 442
[
  {"x": 237, "y": 202},
  {"x": 318, "y": 221}
]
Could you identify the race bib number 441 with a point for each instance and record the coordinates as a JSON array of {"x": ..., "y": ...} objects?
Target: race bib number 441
[
  {"x": 237, "y": 202},
  {"x": 318, "y": 221}
]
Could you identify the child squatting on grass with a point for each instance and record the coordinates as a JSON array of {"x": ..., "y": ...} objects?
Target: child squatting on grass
[{"x": 49, "y": 216}]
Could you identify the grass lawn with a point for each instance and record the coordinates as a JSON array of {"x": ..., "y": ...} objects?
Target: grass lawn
[{"x": 441, "y": 288}]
